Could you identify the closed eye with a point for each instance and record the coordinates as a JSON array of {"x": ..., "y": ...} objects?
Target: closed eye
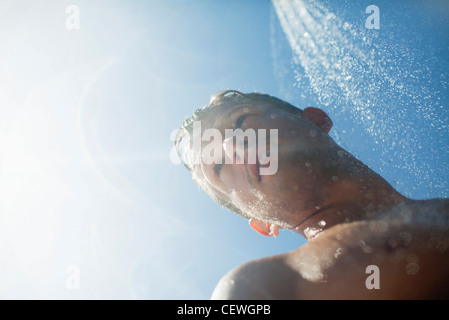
[
  {"x": 217, "y": 169},
  {"x": 240, "y": 120}
]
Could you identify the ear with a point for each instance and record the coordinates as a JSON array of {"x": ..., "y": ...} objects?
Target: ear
[
  {"x": 264, "y": 228},
  {"x": 319, "y": 117}
]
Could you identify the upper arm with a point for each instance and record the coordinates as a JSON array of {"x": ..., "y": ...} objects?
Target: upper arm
[{"x": 256, "y": 280}]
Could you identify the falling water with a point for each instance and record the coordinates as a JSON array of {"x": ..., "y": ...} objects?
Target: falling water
[{"x": 385, "y": 87}]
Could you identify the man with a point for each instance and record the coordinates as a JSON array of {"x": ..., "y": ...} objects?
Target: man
[{"x": 366, "y": 240}]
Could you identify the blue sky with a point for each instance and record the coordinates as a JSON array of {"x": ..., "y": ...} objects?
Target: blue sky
[{"x": 86, "y": 117}]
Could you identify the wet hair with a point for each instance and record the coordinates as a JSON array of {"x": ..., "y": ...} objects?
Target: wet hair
[{"x": 224, "y": 98}]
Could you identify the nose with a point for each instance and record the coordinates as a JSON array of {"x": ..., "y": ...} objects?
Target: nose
[{"x": 234, "y": 154}]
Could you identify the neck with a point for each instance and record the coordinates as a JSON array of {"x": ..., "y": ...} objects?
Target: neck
[{"x": 353, "y": 199}]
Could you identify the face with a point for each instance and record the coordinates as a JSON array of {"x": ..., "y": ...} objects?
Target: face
[{"x": 303, "y": 153}]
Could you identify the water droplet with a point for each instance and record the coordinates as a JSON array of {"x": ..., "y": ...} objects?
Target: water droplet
[
  {"x": 412, "y": 258},
  {"x": 312, "y": 133},
  {"x": 322, "y": 223},
  {"x": 338, "y": 253},
  {"x": 404, "y": 238},
  {"x": 312, "y": 233},
  {"x": 230, "y": 282},
  {"x": 412, "y": 268}
]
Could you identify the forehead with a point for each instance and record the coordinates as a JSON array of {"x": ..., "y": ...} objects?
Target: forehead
[{"x": 223, "y": 114}]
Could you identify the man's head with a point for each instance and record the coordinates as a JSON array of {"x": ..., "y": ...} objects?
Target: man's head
[{"x": 309, "y": 163}]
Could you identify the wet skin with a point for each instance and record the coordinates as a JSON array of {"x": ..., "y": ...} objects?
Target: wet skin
[
  {"x": 412, "y": 261},
  {"x": 352, "y": 217},
  {"x": 287, "y": 197}
]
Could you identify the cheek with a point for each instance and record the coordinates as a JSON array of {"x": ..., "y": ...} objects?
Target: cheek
[
  {"x": 233, "y": 179},
  {"x": 293, "y": 185},
  {"x": 251, "y": 202}
]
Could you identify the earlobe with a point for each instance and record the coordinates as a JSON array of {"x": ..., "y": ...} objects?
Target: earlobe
[
  {"x": 319, "y": 117},
  {"x": 264, "y": 228}
]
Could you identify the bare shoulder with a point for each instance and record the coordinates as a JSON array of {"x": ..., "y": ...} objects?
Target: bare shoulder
[
  {"x": 408, "y": 248},
  {"x": 262, "y": 279},
  {"x": 409, "y": 252}
]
